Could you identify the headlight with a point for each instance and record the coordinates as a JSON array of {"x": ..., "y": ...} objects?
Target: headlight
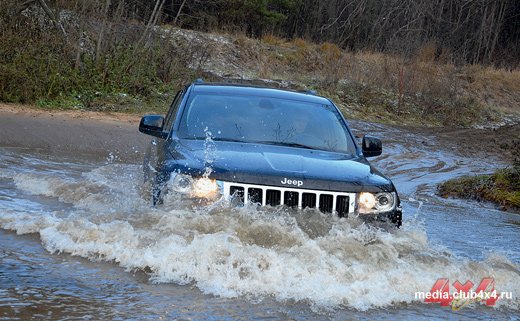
[
  {"x": 181, "y": 183},
  {"x": 196, "y": 187},
  {"x": 369, "y": 203},
  {"x": 204, "y": 187}
]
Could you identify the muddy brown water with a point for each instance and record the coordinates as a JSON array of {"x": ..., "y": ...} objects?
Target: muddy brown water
[{"x": 80, "y": 241}]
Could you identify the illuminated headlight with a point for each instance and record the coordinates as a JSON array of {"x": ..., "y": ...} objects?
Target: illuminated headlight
[
  {"x": 369, "y": 203},
  {"x": 204, "y": 187},
  {"x": 196, "y": 187}
]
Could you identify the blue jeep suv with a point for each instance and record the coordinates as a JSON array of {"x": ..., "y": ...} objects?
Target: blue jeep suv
[{"x": 266, "y": 146}]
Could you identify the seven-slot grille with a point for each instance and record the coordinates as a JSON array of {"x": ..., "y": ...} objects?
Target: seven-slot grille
[{"x": 326, "y": 201}]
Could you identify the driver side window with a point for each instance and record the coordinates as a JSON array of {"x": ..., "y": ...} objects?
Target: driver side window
[{"x": 170, "y": 117}]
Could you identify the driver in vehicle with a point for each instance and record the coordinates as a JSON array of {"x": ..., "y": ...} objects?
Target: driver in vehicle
[{"x": 303, "y": 131}]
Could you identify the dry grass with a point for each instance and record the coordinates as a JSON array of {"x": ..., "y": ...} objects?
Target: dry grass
[
  {"x": 499, "y": 88},
  {"x": 271, "y": 39},
  {"x": 424, "y": 90},
  {"x": 301, "y": 43}
]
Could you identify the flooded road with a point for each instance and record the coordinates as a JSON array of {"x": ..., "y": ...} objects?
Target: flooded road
[{"x": 80, "y": 240}]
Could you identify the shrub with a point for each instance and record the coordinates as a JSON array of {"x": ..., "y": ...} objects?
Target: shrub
[{"x": 37, "y": 65}]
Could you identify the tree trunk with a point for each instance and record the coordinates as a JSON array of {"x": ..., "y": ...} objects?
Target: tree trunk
[
  {"x": 158, "y": 4},
  {"x": 51, "y": 16},
  {"x": 179, "y": 12},
  {"x": 498, "y": 29},
  {"x": 102, "y": 32}
]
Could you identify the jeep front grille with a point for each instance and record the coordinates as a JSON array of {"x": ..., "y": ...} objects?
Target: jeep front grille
[{"x": 326, "y": 201}]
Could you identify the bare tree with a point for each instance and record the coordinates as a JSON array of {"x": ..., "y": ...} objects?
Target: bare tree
[
  {"x": 102, "y": 31},
  {"x": 153, "y": 19},
  {"x": 179, "y": 12}
]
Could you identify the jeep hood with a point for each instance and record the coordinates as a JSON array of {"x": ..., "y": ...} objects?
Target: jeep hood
[{"x": 271, "y": 165}]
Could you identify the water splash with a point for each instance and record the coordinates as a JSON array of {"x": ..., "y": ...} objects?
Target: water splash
[
  {"x": 256, "y": 252},
  {"x": 209, "y": 153}
]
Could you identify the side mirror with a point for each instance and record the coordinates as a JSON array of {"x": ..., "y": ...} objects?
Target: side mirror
[
  {"x": 153, "y": 125},
  {"x": 371, "y": 146}
]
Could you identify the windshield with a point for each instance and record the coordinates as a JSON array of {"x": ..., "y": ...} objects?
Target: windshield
[{"x": 265, "y": 120}]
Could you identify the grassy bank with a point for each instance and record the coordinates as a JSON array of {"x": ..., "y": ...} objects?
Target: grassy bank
[
  {"x": 105, "y": 69},
  {"x": 501, "y": 188},
  {"x": 120, "y": 65}
]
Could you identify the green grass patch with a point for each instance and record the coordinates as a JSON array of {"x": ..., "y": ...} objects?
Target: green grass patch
[
  {"x": 110, "y": 102},
  {"x": 501, "y": 188}
]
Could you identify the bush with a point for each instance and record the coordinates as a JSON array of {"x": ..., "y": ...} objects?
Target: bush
[{"x": 38, "y": 65}]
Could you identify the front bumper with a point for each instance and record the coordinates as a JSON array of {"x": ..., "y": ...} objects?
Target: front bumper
[
  {"x": 394, "y": 217},
  {"x": 342, "y": 204}
]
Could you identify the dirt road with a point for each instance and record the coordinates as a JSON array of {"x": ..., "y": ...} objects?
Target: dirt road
[
  {"x": 72, "y": 131},
  {"x": 94, "y": 132}
]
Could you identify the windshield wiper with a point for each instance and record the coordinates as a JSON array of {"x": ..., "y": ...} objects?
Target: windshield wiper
[
  {"x": 221, "y": 139},
  {"x": 268, "y": 142}
]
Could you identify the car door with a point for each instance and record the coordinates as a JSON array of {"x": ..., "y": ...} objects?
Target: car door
[{"x": 154, "y": 153}]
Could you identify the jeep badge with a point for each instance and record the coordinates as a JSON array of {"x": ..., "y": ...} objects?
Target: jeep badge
[{"x": 291, "y": 182}]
